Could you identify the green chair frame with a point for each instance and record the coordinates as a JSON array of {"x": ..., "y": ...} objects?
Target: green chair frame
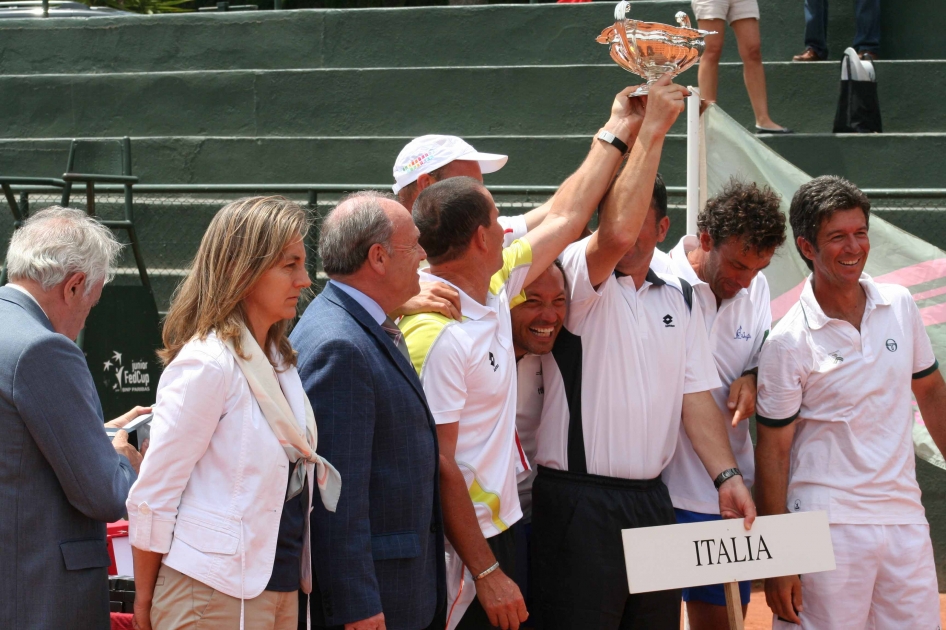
[
  {"x": 126, "y": 180},
  {"x": 89, "y": 180}
]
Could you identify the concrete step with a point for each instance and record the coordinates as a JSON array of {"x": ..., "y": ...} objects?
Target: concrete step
[
  {"x": 870, "y": 160},
  {"x": 409, "y": 37},
  {"x": 518, "y": 100}
]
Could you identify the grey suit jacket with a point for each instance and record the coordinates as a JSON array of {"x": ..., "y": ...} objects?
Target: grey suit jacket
[{"x": 60, "y": 479}]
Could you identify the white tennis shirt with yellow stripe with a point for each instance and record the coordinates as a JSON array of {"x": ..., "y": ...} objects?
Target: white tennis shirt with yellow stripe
[{"x": 468, "y": 370}]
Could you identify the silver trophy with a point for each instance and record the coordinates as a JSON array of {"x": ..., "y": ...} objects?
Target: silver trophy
[{"x": 651, "y": 50}]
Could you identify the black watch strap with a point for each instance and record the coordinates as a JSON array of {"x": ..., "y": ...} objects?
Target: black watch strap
[
  {"x": 725, "y": 475},
  {"x": 613, "y": 140}
]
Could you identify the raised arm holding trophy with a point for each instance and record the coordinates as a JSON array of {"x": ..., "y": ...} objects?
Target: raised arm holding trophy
[{"x": 659, "y": 52}]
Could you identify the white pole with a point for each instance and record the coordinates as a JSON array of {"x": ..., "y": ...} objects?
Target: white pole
[{"x": 693, "y": 158}]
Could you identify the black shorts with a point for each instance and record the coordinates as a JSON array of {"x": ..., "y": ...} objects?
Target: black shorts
[{"x": 578, "y": 575}]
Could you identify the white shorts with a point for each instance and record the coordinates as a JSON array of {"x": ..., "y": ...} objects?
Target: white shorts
[
  {"x": 729, "y": 10},
  {"x": 885, "y": 580}
]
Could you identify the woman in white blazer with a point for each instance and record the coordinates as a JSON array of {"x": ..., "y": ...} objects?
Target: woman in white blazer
[{"x": 218, "y": 518}]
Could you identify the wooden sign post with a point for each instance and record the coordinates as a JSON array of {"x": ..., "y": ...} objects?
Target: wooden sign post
[
  {"x": 724, "y": 552},
  {"x": 734, "y": 606}
]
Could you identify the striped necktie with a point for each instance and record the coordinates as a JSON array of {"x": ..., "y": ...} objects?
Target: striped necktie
[{"x": 396, "y": 336}]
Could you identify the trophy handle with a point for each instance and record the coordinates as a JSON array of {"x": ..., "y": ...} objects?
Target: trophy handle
[
  {"x": 621, "y": 10},
  {"x": 682, "y": 19}
]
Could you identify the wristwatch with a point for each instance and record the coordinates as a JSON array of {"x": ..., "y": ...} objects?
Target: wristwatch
[
  {"x": 725, "y": 475},
  {"x": 613, "y": 140}
]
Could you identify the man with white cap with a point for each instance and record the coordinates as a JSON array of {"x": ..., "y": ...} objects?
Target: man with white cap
[
  {"x": 468, "y": 368},
  {"x": 432, "y": 158}
]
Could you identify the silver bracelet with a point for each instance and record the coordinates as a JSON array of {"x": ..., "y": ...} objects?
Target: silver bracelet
[{"x": 486, "y": 572}]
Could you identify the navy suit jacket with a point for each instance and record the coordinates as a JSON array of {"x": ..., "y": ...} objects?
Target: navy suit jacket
[
  {"x": 383, "y": 548},
  {"x": 60, "y": 479}
]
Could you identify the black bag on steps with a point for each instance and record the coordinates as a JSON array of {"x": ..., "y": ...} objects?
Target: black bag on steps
[{"x": 858, "y": 106}]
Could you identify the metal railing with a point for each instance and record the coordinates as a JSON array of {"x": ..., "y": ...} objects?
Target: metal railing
[{"x": 171, "y": 218}]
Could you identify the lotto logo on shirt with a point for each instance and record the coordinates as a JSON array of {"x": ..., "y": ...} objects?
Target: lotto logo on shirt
[{"x": 741, "y": 334}]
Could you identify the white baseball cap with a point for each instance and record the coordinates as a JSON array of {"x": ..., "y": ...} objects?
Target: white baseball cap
[{"x": 428, "y": 153}]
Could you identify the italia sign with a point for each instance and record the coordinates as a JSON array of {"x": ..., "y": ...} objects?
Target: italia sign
[{"x": 695, "y": 554}]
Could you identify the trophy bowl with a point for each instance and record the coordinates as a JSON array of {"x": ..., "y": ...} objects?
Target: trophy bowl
[{"x": 651, "y": 50}]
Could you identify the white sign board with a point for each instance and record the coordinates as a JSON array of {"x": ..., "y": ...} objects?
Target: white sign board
[{"x": 695, "y": 554}]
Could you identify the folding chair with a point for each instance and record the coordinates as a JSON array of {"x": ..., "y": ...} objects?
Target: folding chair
[{"x": 95, "y": 161}]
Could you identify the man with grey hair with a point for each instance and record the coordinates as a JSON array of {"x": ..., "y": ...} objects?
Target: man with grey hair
[
  {"x": 378, "y": 560},
  {"x": 60, "y": 480}
]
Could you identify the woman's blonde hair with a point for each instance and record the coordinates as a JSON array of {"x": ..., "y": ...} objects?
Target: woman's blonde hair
[{"x": 244, "y": 240}]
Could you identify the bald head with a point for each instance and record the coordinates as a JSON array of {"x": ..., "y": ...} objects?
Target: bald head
[
  {"x": 369, "y": 242},
  {"x": 353, "y": 226}
]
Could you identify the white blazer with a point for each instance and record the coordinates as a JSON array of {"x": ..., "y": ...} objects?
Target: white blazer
[{"x": 213, "y": 482}]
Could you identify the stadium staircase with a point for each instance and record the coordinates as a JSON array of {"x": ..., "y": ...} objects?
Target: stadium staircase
[{"x": 331, "y": 96}]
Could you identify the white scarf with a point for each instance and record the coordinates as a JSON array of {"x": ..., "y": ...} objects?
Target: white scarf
[{"x": 300, "y": 449}]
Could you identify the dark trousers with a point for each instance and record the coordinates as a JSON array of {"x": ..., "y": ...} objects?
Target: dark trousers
[
  {"x": 503, "y": 547},
  {"x": 438, "y": 623},
  {"x": 578, "y": 575},
  {"x": 867, "y": 26}
]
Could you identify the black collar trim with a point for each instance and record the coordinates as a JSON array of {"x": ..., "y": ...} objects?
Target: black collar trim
[
  {"x": 654, "y": 279},
  {"x": 651, "y": 277}
]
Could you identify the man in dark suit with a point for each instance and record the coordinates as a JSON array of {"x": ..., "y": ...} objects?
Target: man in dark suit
[
  {"x": 60, "y": 479},
  {"x": 379, "y": 559}
]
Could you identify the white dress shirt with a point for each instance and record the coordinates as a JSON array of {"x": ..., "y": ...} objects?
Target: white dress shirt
[
  {"x": 28, "y": 294},
  {"x": 374, "y": 309}
]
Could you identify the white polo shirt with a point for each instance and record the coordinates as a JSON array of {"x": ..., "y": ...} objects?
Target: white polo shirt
[
  {"x": 531, "y": 392},
  {"x": 468, "y": 371},
  {"x": 736, "y": 331},
  {"x": 639, "y": 350},
  {"x": 849, "y": 395}
]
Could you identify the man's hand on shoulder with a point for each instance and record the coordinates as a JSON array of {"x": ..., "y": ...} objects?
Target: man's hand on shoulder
[
  {"x": 501, "y": 599},
  {"x": 371, "y": 623},
  {"x": 735, "y": 501},
  {"x": 120, "y": 442},
  {"x": 434, "y": 297}
]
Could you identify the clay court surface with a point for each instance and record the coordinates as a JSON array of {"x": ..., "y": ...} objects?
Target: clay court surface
[{"x": 760, "y": 617}]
